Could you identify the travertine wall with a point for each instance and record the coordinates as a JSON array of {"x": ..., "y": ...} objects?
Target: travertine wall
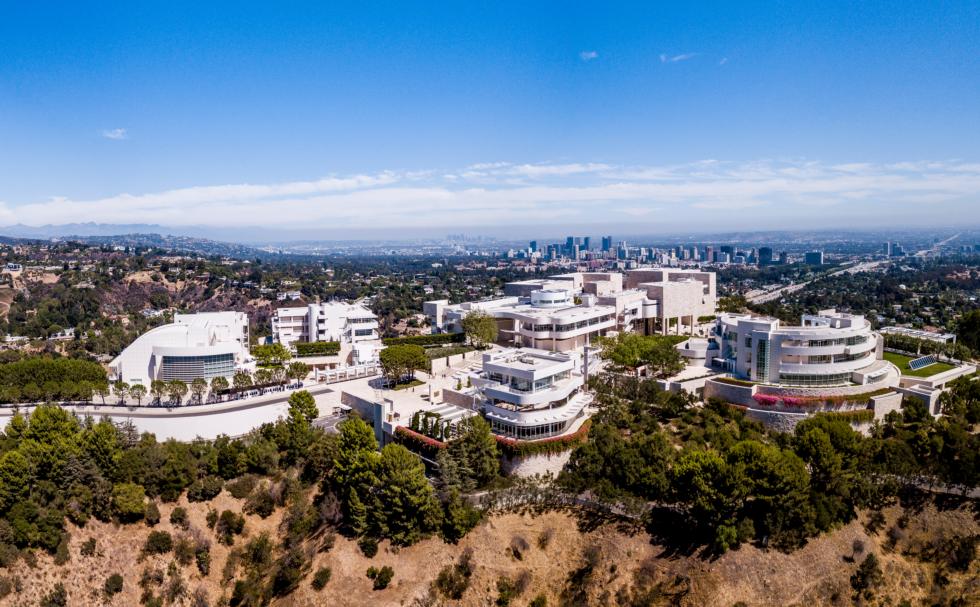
[{"x": 540, "y": 463}]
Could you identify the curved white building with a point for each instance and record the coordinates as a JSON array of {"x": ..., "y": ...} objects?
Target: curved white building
[
  {"x": 205, "y": 345},
  {"x": 531, "y": 394},
  {"x": 830, "y": 362},
  {"x": 827, "y": 349},
  {"x": 549, "y": 319}
]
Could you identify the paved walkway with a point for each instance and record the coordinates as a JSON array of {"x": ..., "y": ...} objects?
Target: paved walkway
[{"x": 232, "y": 418}]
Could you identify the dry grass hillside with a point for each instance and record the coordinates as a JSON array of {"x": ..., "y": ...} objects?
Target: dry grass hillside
[{"x": 541, "y": 555}]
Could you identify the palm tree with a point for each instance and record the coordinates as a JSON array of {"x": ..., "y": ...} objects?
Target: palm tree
[
  {"x": 242, "y": 380},
  {"x": 121, "y": 390},
  {"x": 102, "y": 390},
  {"x": 158, "y": 388},
  {"x": 137, "y": 391},
  {"x": 198, "y": 387},
  {"x": 177, "y": 390}
]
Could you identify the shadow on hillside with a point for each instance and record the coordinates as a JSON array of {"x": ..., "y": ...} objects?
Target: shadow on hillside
[{"x": 669, "y": 529}]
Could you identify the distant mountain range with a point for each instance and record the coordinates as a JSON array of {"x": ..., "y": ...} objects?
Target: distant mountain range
[{"x": 134, "y": 235}]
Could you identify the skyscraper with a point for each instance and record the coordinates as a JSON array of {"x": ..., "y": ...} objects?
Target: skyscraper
[
  {"x": 765, "y": 256},
  {"x": 606, "y": 243},
  {"x": 813, "y": 258},
  {"x": 587, "y": 243},
  {"x": 534, "y": 246}
]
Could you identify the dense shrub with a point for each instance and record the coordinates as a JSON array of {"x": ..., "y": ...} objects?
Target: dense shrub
[
  {"x": 58, "y": 597},
  {"x": 453, "y": 580},
  {"x": 158, "y": 542},
  {"x": 320, "y": 578},
  {"x": 178, "y": 518},
  {"x": 240, "y": 488},
  {"x": 382, "y": 577},
  {"x": 204, "y": 489},
  {"x": 152, "y": 514},
  {"x": 88, "y": 547},
  {"x": 229, "y": 525},
  {"x": 113, "y": 585},
  {"x": 41, "y": 378},
  {"x": 128, "y": 500},
  {"x": 368, "y": 546},
  {"x": 317, "y": 348},
  {"x": 425, "y": 340}
]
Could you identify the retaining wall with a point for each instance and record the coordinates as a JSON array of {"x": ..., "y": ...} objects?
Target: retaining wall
[{"x": 538, "y": 463}]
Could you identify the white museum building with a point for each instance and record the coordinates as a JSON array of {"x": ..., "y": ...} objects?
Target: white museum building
[{"x": 205, "y": 345}]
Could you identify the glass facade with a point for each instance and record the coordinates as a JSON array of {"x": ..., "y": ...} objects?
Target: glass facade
[
  {"x": 809, "y": 379},
  {"x": 189, "y": 368},
  {"x": 762, "y": 361},
  {"x": 528, "y": 432}
]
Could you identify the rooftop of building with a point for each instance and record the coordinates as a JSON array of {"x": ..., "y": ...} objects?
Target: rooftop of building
[{"x": 529, "y": 359}]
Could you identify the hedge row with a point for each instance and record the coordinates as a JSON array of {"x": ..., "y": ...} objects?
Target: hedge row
[
  {"x": 733, "y": 381},
  {"x": 425, "y": 340},
  {"x": 317, "y": 348},
  {"x": 418, "y": 442},
  {"x": 856, "y": 416},
  {"x": 512, "y": 447}
]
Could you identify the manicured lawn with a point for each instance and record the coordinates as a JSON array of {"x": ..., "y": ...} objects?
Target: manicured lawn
[
  {"x": 443, "y": 351},
  {"x": 902, "y": 362},
  {"x": 407, "y": 385}
]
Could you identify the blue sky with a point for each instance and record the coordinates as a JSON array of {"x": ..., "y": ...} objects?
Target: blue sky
[{"x": 438, "y": 115}]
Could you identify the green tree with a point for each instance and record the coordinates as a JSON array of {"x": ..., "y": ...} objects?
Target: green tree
[
  {"x": 138, "y": 391},
  {"x": 297, "y": 371},
  {"x": 475, "y": 453},
  {"x": 404, "y": 508},
  {"x": 402, "y": 360},
  {"x": 968, "y": 330},
  {"x": 158, "y": 389},
  {"x": 302, "y": 404},
  {"x": 177, "y": 390},
  {"x": 198, "y": 388},
  {"x": 662, "y": 357},
  {"x": 14, "y": 479},
  {"x": 268, "y": 355},
  {"x": 480, "y": 328},
  {"x": 121, "y": 389},
  {"x": 458, "y": 517},
  {"x": 242, "y": 380},
  {"x": 356, "y": 463},
  {"x": 219, "y": 384},
  {"x": 129, "y": 501}
]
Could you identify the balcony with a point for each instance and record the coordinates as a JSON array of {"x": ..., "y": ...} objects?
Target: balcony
[{"x": 536, "y": 398}]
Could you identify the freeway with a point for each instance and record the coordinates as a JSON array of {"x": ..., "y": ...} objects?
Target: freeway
[{"x": 756, "y": 297}]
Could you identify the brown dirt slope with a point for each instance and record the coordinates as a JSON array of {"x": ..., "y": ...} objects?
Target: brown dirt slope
[{"x": 627, "y": 568}]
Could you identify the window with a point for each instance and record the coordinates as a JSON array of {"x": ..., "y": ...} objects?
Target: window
[
  {"x": 762, "y": 362},
  {"x": 189, "y": 368},
  {"x": 806, "y": 379}
]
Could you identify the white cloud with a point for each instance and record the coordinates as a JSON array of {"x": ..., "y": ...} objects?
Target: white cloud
[
  {"x": 588, "y": 55},
  {"x": 499, "y": 193},
  {"x": 664, "y": 58},
  {"x": 116, "y": 134}
]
